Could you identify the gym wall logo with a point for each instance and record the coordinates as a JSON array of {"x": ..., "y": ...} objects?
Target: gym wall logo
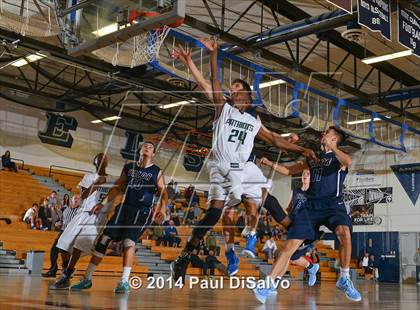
[
  {"x": 131, "y": 145},
  {"x": 57, "y": 130},
  {"x": 193, "y": 162},
  {"x": 364, "y": 215},
  {"x": 373, "y": 195},
  {"x": 409, "y": 177}
]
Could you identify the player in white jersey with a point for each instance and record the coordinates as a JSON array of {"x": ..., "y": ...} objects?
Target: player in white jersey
[
  {"x": 79, "y": 236},
  {"x": 235, "y": 126}
]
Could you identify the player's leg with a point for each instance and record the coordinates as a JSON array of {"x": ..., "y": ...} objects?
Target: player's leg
[
  {"x": 74, "y": 258},
  {"x": 54, "y": 252},
  {"x": 211, "y": 217},
  {"x": 251, "y": 207},
  {"x": 229, "y": 234},
  {"x": 299, "y": 260},
  {"x": 339, "y": 221}
]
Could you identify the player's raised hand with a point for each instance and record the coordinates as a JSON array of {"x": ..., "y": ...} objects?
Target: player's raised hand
[
  {"x": 293, "y": 138},
  {"x": 310, "y": 154},
  {"x": 97, "y": 208},
  {"x": 181, "y": 54},
  {"x": 210, "y": 43}
]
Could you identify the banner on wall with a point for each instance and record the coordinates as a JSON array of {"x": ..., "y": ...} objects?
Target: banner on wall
[
  {"x": 345, "y": 5},
  {"x": 409, "y": 30},
  {"x": 409, "y": 177},
  {"x": 57, "y": 131},
  {"x": 375, "y": 15},
  {"x": 364, "y": 215}
]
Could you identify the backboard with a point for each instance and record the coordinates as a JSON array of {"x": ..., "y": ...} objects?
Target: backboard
[{"x": 99, "y": 23}]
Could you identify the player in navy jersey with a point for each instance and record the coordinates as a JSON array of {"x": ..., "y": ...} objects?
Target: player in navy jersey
[
  {"x": 141, "y": 180},
  {"x": 325, "y": 207}
]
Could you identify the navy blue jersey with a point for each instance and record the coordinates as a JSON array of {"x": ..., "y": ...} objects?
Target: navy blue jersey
[
  {"x": 142, "y": 184},
  {"x": 327, "y": 177},
  {"x": 299, "y": 200}
]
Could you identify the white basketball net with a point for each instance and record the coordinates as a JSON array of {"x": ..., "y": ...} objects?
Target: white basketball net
[{"x": 136, "y": 51}]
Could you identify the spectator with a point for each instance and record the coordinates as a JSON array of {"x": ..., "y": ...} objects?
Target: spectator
[
  {"x": 190, "y": 219},
  {"x": 373, "y": 268},
  {"x": 66, "y": 202},
  {"x": 203, "y": 248},
  {"x": 176, "y": 220},
  {"x": 365, "y": 262},
  {"x": 56, "y": 215},
  {"x": 197, "y": 262},
  {"x": 7, "y": 162},
  {"x": 68, "y": 213},
  {"x": 170, "y": 190},
  {"x": 263, "y": 227},
  {"x": 52, "y": 199},
  {"x": 314, "y": 256},
  {"x": 211, "y": 243},
  {"x": 417, "y": 262},
  {"x": 188, "y": 192},
  {"x": 197, "y": 210},
  {"x": 158, "y": 234},
  {"x": 213, "y": 263},
  {"x": 31, "y": 215},
  {"x": 270, "y": 248},
  {"x": 116, "y": 248},
  {"x": 43, "y": 215},
  {"x": 171, "y": 235},
  {"x": 276, "y": 232},
  {"x": 177, "y": 190},
  {"x": 170, "y": 207}
]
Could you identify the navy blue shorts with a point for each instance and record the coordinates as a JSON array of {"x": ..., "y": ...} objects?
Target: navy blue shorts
[
  {"x": 128, "y": 222},
  {"x": 328, "y": 212}
]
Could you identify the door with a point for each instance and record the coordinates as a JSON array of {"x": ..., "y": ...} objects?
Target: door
[{"x": 408, "y": 246}]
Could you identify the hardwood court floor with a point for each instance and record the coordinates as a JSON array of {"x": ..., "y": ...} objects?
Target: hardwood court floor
[{"x": 25, "y": 292}]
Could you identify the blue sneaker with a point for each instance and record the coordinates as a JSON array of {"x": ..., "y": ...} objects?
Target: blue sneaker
[
  {"x": 346, "y": 285},
  {"x": 122, "y": 287},
  {"x": 233, "y": 263},
  {"x": 251, "y": 242},
  {"x": 262, "y": 294},
  {"x": 312, "y": 274}
]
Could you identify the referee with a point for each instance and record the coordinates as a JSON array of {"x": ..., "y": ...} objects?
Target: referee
[{"x": 68, "y": 213}]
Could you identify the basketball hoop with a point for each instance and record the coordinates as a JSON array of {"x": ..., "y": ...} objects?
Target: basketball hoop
[{"x": 140, "y": 49}]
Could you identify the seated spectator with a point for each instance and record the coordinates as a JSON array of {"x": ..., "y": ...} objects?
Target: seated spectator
[
  {"x": 197, "y": 211},
  {"x": 190, "y": 219},
  {"x": 276, "y": 232},
  {"x": 213, "y": 263},
  {"x": 31, "y": 215},
  {"x": 7, "y": 162},
  {"x": 203, "y": 248},
  {"x": 197, "y": 262},
  {"x": 270, "y": 248},
  {"x": 56, "y": 216},
  {"x": 116, "y": 248},
  {"x": 176, "y": 220},
  {"x": 44, "y": 215},
  {"x": 170, "y": 206},
  {"x": 170, "y": 190},
  {"x": 263, "y": 228},
  {"x": 66, "y": 202},
  {"x": 177, "y": 190},
  {"x": 211, "y": 243},
  {"x": 158, "y": 234},
  {"x": 189, "y": 192},
  {"x": 171, "y": 235},
  {"x": 365, "y": 262},
  {"x": 314, "y": 256},
  {"x": 52, "y": 199}
]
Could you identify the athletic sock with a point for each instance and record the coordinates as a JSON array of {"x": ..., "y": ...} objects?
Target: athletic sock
[
  {"x": 309, "y": 266},
  {"x": 230, "y": 246},
  {"x": 252, "y": 232},
  {"x": 344, "y": 272},
  {"x": 126, "y": 274},
  {"x": 89, "y": 271}
]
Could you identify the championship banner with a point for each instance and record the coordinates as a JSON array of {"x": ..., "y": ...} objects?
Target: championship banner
[
  {"x": 409, "y": 177},
  {"x": 409, "y": 30},
  {"x": 375, "y": 15},
  {"x": 345, "y": 5}
]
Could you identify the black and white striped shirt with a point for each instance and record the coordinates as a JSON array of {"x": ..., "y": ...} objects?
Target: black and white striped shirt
[{"x": 68, "y": 214}]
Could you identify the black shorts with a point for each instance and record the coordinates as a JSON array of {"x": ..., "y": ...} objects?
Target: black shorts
[
  {"x": 128, "y": 222},
  {"x": 328, "y": 212}
]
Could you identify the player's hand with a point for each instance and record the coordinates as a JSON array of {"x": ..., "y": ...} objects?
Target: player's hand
[
  {"x": 210, "y": 43},
  {"x": 158, "y": 216},
  {"x": 179, "y": 53},
  {"x": 97, "y": 208},
  {"x": 310, "y": 154},
  {"x": 293, "y": 138},
  {"x": 265, "y": 161}
]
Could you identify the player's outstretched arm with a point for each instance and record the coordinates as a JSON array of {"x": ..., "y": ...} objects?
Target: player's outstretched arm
[
  {"x": 159, "y": 214},
  {"x": 278, "y": 141},
  {"x": 218, "y": 98},
  {"x": 284, "y": 170},
  {"x": 118, "y": 187},
  {"x": 185, "y": 57}
]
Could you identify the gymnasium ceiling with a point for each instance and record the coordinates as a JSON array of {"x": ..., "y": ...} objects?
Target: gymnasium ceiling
[{"x": 62, "y": 83}]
